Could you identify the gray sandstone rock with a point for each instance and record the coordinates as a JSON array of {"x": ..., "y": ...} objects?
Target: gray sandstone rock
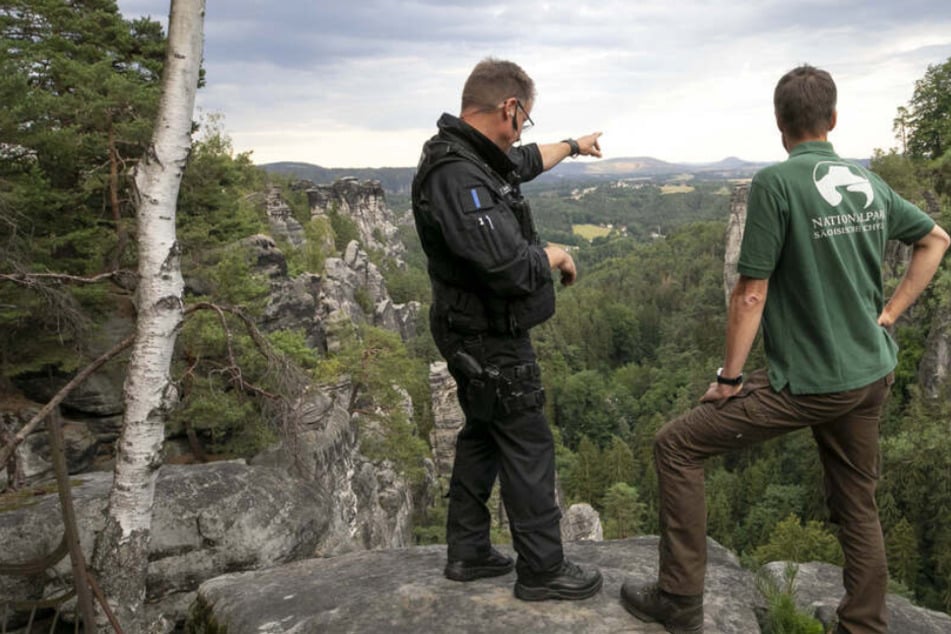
[
  {"x": 207, "y": 520},
  {"x": 281, "y": 219},
  {"x": 364, "y": 202},
  {"x": 818, "y": 587},
  {"x": 404, "y": 591}
]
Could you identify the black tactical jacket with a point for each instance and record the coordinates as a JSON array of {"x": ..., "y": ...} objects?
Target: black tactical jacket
[{"x": 488, "y": 269}]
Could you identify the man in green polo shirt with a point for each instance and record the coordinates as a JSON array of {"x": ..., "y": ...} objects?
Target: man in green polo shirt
[{"x": 815, "y": 238}]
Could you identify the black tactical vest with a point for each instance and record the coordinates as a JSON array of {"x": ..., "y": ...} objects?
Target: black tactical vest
[{"x": 459, "y": 296}]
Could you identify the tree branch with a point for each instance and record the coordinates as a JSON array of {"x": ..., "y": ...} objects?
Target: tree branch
[
  {"x": 31, "y": 280},
  {"x": 21, "y": 435}
]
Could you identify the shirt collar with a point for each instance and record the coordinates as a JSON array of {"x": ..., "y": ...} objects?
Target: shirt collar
[
  {"x": 483, "y": 146},
  {"x": 813, "y": 147}
]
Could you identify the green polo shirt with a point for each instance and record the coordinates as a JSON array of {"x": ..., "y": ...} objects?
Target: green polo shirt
[{"x": 816, "y": 226}]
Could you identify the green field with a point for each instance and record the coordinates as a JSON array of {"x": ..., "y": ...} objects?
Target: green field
[
  {"x": 676, "y": 189},
  {"x": 590, "y": 232}
]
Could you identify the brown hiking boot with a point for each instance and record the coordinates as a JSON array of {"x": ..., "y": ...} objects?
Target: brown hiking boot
[{"x": 679, "y": 614}]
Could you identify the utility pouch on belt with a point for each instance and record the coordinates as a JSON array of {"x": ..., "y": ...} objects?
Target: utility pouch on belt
[{"x": 482, "y": 392}]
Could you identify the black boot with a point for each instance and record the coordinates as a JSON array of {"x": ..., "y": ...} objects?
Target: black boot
[
  {"x": 566, "y": 581},
  {"x": 492, "y": 564},
  {"x": 678, "y": 613}
]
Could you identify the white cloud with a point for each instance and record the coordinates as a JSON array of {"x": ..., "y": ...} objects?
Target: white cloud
[{"x": 362, "y": 84}]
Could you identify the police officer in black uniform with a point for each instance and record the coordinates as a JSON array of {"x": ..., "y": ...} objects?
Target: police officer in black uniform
[{"x": 492, "y": 281}]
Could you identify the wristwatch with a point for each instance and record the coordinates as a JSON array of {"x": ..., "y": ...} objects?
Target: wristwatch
[
  {"x": 723, "y": 380},
  {"x": 575, "y": 150}
]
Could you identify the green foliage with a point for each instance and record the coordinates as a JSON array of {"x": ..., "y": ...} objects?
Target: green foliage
[
  {"x": 407, "y": 284},
  {"x": 775, "y": 504},
  {"x": 380, "y": 368},
  {"x": 344, "y": 228},
  {"x": 229, "y": 421},
  {"x": 431, "y": 527},
  {"x": 222, "y": 374},
  {"x": 793, "y": 541},
  {"x": 364, "y": 300},
  {"x": 916, "y": 490},
  {"x": 235, "y": 285},
  {"x": 293, "y": 345},
  {"x": 219, "y": 201},
  {"x": 902, "y": 174},
  {"x": 48, "y": 328},
  {"x": 623, "y": 511},
  {"x": 782, "y": 616},
  {"x": 901, "y": 544},
  {"x": 642, "y": 209},
  {"x": 585, "y": 481},
  {"x": 583, "y": 410},
  {"x": 310, "y": 256},
  {"x": 80, "y": 89},
  {"x": 926, "y": 123}
]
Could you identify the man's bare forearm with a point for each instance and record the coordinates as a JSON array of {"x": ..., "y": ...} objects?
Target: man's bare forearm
[{"x": 925, "y": 260}]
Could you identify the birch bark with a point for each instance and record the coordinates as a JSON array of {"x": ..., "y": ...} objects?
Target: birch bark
[{"x": 121, "y": 554}]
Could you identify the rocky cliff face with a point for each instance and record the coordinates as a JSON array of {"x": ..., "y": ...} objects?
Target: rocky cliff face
[
  {"x": 351, "y": 288},
  {"x": 365, "y": 203},
  {"x": 734, "y": 237},
  {"x": 934, "y": 371},
  {"x": 320, "y": 492},
  {"x": 207, "y": 519},
  {"x": 366, "y": 505}
]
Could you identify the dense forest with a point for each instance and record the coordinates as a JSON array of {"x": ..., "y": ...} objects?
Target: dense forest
[{"x": 633, "y": 344}]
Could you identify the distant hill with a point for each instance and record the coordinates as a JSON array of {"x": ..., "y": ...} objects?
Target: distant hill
[
  {"x": 394, "y": 179},
  {"x": 399, "y": 179}
]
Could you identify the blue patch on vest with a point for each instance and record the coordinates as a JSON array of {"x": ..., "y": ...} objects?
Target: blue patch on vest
[{"x": 476, "y": 198}]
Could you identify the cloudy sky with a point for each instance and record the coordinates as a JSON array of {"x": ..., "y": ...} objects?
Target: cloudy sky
[{"x": 360, "y": 83}]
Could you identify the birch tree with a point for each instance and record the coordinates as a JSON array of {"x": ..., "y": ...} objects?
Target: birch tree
[{"x": 121, "y": 554}]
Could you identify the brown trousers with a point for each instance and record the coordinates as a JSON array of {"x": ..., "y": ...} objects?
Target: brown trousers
[{"x": 845, "y": 427}]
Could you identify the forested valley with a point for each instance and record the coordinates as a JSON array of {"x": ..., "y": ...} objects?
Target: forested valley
[{"x": 633, "y": 344}]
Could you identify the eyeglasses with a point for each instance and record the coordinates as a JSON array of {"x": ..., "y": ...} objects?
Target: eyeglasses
[{"x": 528, "y": 123}]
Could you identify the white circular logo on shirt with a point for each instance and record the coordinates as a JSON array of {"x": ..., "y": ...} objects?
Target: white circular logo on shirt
[{"x": 829, "y": 177}]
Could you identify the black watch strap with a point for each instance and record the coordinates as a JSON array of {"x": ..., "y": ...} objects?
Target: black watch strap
[
  {"x": 724, "y": 380},
  {"x": 575, "y": 150}
]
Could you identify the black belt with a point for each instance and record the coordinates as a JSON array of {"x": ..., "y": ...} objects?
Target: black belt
[
  {"x": 524, "y": 371},
  {"x": 522, "y": 401}
]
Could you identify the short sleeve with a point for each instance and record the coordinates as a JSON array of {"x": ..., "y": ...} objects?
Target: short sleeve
[
  {"x": 764, "y": 232},
  {"x": 906, "y": 222}
]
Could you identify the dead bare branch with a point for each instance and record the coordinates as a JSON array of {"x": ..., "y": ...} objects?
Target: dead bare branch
[
  {"x": 8, "y": 449},
  {"x": 32, "y": 280}
]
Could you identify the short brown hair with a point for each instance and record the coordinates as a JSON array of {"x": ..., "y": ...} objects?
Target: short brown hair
[
  {"x": 804, "y": 100},
  {"x": 493, "y": 81}
]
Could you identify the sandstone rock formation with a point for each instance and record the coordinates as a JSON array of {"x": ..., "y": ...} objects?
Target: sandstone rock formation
[
  {"x": 403, "y": 591},
  {"x": 363, "y": 202},
  {"x": 819, "y": 585},
  {"x": 448, "y": 418},
  {"x": 734, "y": 237},
  {"x": 208, "y": 519},
  {"x": 934, "y": 371},
  {"x": 281, "y": 220}
]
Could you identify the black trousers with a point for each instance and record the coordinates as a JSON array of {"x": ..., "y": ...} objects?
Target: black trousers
[{"x": 513, "y": 442}]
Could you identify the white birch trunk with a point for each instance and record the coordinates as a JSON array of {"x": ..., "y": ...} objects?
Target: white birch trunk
[{"x": 121, "y": 556}]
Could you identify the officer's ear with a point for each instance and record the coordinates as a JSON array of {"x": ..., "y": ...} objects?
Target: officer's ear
[{"x": 510, "y": 108}]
